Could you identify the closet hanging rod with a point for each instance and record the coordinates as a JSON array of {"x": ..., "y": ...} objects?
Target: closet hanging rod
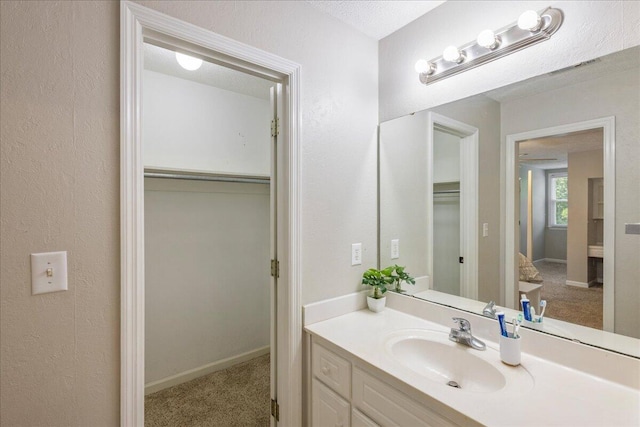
[
  {"x": 447, "y": 192},
  {"x": 208, "y": 177}
]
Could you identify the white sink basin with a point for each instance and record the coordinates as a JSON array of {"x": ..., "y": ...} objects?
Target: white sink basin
[{"x": 432, "y": 355}]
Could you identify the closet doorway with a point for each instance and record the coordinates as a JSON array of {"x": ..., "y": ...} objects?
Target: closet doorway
[
  {"x": 208, "y": 153},
  {"x": 140, "y": 25}
]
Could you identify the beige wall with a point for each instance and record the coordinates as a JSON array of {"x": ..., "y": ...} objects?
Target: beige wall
[
  {"x": 60, "y": 352},
  {"x": 60, "y": 191},
  {"x": 582, "y": 166}
]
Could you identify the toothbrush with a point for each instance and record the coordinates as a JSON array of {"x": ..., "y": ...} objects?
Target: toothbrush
[
  {"x": 503, "y": 327},
  {"x": 516, "y": 326},
  {"x": 543, "y": 304},
  {"x": 533, "y": 314}
]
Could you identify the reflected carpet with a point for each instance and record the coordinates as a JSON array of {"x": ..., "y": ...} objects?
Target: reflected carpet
[{"x": 582, "y": 306}]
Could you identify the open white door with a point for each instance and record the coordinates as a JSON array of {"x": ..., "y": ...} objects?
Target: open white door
[{"x": 276, "y": 95}]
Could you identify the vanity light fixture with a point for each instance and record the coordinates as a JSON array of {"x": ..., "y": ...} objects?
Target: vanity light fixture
[
  {"x": 531, "y": 28},
  {"x": 453, "y": 54},
  {"x": 425, "y": 67},
  {"x": 488, "y": 39},
  {"x": 530, "y": 21},
  {"x": 188, "y": 62}
]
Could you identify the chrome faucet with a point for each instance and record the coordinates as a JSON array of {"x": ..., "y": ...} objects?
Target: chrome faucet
[
  {"x": 463, "y": 335},
  {"x": 489, "y": 310}
]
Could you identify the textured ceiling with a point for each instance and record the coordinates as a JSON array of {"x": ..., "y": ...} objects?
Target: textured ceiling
[
  {"x": 556, "y": 148},
  {"x": 164, "y": 61},
  {"x": 376, "y": 19}
]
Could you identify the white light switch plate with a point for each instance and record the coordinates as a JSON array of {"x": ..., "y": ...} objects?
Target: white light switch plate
[
  {"x": 48, "y": 272},
  {"x": 395, "y": 248}
]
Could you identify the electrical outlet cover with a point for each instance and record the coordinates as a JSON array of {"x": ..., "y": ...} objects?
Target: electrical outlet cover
[{"x": 48, "y": 272}]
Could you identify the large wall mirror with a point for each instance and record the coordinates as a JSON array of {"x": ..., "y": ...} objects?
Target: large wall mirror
[{"x": 525, "y": 189}]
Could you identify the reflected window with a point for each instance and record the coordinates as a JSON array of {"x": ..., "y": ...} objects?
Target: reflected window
[{"x": 558, "y": 200}]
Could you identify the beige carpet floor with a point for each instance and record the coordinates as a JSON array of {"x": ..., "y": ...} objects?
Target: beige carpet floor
[
  {"x": 237, "y": 396},
  {"x": 581, "y": 306}
]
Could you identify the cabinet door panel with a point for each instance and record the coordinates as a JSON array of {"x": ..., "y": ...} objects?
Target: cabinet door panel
[
  {"x": 332, "y": 370},
  {"x": 358, "y": 419},
  {"x": 328, "y": 409},
  {"x": 388, "y": 406}
]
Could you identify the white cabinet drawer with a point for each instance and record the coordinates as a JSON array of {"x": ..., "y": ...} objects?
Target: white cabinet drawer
[
  {"x": 358, "y": 419},
  {"x": 388, "y": 407},
  {"x": 332, "y": 370},
  {"x": 328, "y": 409}
]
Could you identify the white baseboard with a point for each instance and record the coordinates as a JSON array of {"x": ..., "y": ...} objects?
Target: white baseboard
[
  {"x": 559, "y": 261},
  {"x": 577, "y": 284},
  {"x": 209, "y": 368},
  {"x": 595, "y": 281}
]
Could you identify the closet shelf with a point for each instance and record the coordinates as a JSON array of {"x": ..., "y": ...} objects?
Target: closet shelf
[{"x": 205, "y": 176}]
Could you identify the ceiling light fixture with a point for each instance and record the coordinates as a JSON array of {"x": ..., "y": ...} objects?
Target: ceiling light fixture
[
  {"x": 531, "y": 28},
  {"x": 188, "y": 62}
]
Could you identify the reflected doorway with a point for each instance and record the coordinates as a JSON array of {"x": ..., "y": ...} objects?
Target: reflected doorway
[
  {"x": 561, "y": 225},
  {"x": 606, "y": 127}
]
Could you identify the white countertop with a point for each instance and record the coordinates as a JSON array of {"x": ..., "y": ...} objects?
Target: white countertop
[{"x": 561, "y": 396}]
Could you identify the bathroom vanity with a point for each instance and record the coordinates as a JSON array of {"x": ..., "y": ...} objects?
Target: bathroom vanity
[{"x": 396, "y": 367}]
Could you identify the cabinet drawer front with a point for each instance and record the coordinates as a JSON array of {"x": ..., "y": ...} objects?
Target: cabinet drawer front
[
  {"x": 389, "y": 407},
  {"x": 328, "y": 409},
  {"x": 332, "y": 370},
  {"x": 358, "y": 419}
]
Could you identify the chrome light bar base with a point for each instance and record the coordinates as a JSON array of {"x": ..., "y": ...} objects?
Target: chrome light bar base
[{"x": 511, "y": 40}]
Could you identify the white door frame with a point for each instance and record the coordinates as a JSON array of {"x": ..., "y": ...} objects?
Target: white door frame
[
  {"x": 137, "y": 24},
  {"x": 468, "y": 200},
  {"x": 608, "y": 124}
]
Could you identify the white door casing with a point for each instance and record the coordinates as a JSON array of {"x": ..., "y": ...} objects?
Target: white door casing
[
  {"x": 607, "y": 124},
  {"x": 139, "y": 24}
]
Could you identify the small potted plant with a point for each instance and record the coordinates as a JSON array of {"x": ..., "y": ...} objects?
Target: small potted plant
[
  {"x": 399, "y": 275},
  {"x": 378, "y": 280}
]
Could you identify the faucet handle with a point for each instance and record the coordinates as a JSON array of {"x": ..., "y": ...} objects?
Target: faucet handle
[{"x": 464, "y": 324}]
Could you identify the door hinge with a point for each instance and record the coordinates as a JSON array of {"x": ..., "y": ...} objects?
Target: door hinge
[
  {"x": 461, "y": 260},
  {"x": 275, "y": 127},
  {"x": 275, "y": 268},
  {"x": 275, "y": 410}
]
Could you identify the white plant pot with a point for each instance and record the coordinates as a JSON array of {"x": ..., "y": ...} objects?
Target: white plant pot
[{"x": 376, "y": 305}]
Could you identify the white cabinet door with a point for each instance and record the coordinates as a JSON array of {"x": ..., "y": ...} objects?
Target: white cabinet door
[
  {"x": 389, "y": 407},
  {"x": 358, "y": 419},
  {"x": 333, "y": 370},
  {"x": 328, "y": 409}
]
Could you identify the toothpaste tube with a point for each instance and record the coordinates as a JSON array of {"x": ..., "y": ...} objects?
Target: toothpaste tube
[
  {"x": 526, "y": 309},
  {"x": 503, "y": 326}
]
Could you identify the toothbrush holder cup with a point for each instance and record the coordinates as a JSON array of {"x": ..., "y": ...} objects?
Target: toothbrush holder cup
[{"x": 510, "y": 350}]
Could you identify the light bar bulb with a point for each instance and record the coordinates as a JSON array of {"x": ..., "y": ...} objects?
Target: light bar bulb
[
  {"x": 188, "y": 62},
  {"x": 530, "y": 20},
  {"x": 488, "y": 39},
  {"x": 452, "y": 54},
  {"x": 424, "y": 67}
]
